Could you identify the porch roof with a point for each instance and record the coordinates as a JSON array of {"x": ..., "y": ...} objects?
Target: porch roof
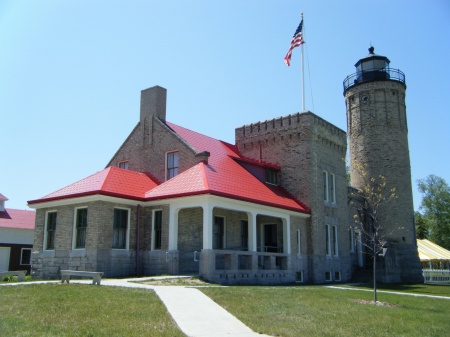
[
  {"x": 430, "y": 251},
  {"x": 111, "y": 181}
]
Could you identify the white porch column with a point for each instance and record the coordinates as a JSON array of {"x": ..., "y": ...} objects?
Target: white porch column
[
  {"x": 252, "y": 244},
  {"x": 173, "y": 228},
  {"x": 286, "y": 235},
  {"x": 207, "y": 226}
]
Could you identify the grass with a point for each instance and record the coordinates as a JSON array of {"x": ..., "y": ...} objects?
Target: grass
[
  {"x": 319, "y": 311},
  {"x": 85, "y": 310},
  {"x": 82, "y": 310}
]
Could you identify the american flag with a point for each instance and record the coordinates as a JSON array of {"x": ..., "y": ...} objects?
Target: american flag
[{"x": 296, "y": 41}]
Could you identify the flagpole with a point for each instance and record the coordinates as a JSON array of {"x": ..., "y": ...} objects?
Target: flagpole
[{"x": 303, "y": 66}]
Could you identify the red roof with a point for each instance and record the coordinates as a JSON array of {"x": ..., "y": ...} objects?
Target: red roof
[
  {"x": 222, "y": 175},
  {"x": 112, "y": 181},
  {"x": 17, "y": 218}
]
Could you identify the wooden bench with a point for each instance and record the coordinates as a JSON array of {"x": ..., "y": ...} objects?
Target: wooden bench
[
  {"x": 95, "y": 275},
  {"x": 19, "y": 273}
]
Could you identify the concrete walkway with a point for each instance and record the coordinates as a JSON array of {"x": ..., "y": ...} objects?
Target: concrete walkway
[{"x": 194, "y": 312}]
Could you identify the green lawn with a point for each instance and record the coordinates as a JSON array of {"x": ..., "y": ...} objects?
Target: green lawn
[
  {"x": 319, "y": 311},
  {"x": 86, "y": 310},
  {"x": 82, "y": 310}
]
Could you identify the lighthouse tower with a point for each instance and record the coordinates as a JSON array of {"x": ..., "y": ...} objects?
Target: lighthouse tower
[{"x": 378, "y": 145}]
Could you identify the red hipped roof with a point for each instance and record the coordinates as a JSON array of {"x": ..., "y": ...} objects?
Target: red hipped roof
[
  {"x": 112, "y": 181},
  {"x": 222, "y": 175}
]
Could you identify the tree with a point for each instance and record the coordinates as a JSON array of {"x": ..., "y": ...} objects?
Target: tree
[
  {"x": 436, "y": 208},
  {"x": 371, "y": 204},
  {"x": 421, "y": 226}
]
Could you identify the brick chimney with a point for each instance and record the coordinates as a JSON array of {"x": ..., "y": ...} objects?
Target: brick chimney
[{"x": 153, "y": 103}]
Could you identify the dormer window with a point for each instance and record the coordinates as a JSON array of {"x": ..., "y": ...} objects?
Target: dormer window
[
  {"x": 123, "y": 165},
  {"x": 171, "y": 164},
  {"x": 271, "y": 177}
]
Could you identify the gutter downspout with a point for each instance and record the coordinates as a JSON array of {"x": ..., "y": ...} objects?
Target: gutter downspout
[{"x": 138, "y": 240}]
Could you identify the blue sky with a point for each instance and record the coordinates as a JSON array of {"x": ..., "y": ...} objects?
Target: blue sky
[{"x": 71, "y": 73}]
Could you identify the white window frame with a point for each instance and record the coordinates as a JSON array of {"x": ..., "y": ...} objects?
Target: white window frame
[
  {"x": 127, "y": 238},
  {"x": 325, "y": 186},
  {"x": 299, "y": 242},
  {"x": 45, "y": 230},
  {"x": 21, "y": 256},
  {"x": 352, "y": 240},
  {"x": 327, "y": 240},
  {"x": 167, "y": 166},
  {"x": 332, "y": 188},
  {"x": 329, "y": 187},
  {"x": 74, "y": 232},
  {"x": 153, "y": 229},
  {"x": 297, "y": 278},
  {"x": 334, "y": 240}
]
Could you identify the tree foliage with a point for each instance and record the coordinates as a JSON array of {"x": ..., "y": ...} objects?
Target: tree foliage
[
  {"x": 435, "y": 209},
  {"x": 421, "y": 226}
]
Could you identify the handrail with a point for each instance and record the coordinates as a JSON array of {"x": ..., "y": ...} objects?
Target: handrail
[{"x": 374, "y": 75}]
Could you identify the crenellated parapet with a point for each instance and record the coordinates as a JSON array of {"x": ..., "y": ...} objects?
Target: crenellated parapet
[{"x": 290, "y": 129}]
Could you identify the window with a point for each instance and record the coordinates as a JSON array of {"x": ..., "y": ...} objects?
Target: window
[
  {"x": 334, "y": 240},
  {"x": 325, "y": 185},
  {"x": 331, "y": 240},
  {"x": 25, "y": 257},
  {"x": 331, "y": 181},
  {"x": 219, "y": 233},
  {"x": 244, "y": 234},
  {"x": 80, "y": 227},
  {"x": 299, "y": 276},
  {"x": 271, "y": 177},
  {"x": 123, "y": 165},
  {"x": 50, "y": 228},
  {"x": 172, "y": 165},
  {"x": 337, "y": 275},
  {"x": 352, "y": 240},
  {"x": 157, "y": 229},
  {"x": 327, "y": 239},
  {"x": 120, "y": 228},
  {"x": 329, "y": 187},
  {"x": 328, "y": 276},
  {"x": 298, "y": 242}
]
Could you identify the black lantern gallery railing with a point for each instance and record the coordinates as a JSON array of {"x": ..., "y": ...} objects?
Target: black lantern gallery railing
[{"x": 374, "y": 75}]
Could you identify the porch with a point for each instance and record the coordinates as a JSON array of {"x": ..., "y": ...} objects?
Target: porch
[
  {"x": 243, "y": 267},
  {"x": 226, "y": 241}
]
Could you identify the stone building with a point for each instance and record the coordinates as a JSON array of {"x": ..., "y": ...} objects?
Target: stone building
[{"x": 271, "y": 208}]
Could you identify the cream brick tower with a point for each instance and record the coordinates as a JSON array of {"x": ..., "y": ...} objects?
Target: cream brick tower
[{"x": 378, "y": 142}]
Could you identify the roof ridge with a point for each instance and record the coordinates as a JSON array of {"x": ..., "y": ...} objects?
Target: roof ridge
[
  {"x": 107, "y": 178},
  {"x": 203, "y": 167}
]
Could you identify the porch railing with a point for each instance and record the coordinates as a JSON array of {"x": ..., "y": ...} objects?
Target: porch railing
[{"x": 436, "y": 276}]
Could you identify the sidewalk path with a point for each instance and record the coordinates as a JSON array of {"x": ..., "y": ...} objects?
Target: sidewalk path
[
  {"x": 390, "y": 292},
  {"x": 194, "y": 312}
]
